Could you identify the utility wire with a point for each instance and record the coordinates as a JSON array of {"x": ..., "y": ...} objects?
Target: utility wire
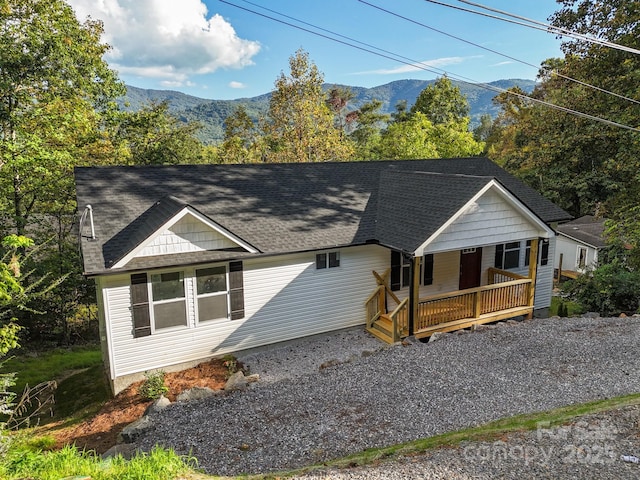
[
  {"x": 554, "y": 72},
  {"x": 422, "y": 66},
  {"x": 558, "y": 30},
  {"x": 545, "y": 28}
]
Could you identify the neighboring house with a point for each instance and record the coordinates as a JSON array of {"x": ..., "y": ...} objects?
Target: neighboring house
[
  {"x": 578, "y": 245},
  {"x": 192, "y": 262}
]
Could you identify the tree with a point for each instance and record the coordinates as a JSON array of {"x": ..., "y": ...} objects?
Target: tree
[
  {"x": 442, "y": 103},
  {"x": 579, "y": 163},
  {"x": 365, "y": 124},
  {"x": 55, "y": 90},
  {"x": 57, "y": 110},
  {"x": 418, "y": 137},
  {"x": 338, "y": 99},
  {"x": 241, "y": 139},
  {"x": 300, "y": 126},
  {"x": 152, "y": 136}
]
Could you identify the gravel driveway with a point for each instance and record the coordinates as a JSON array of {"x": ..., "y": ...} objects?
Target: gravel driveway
[{"x": 333, "y": 395}]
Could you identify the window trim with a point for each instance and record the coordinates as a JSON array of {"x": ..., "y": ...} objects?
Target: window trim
[
  {"x": 153, "y": 303},
  {"x": 586, "y": 256},
  {"x": 141, "y": 303},
  {"x": 328, "y": 259},
  {"x": 502, "y": 250},
  {"x": 197, "y": 296},
  {"x": 401, "y": 268}
]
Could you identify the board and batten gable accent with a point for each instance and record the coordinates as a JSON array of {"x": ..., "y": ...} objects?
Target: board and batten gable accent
[
  {"x": 187, "y": 235},
  {"x": 285, "y": 297},
  {"x": 492, "y": 217},
  {"x": 197, "y": 233}
]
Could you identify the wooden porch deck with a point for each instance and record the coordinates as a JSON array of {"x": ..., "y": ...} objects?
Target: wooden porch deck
[{"x": 508, "y": 295}]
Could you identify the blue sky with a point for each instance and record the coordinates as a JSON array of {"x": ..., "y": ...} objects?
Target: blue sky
[{"x": 210, "y": 49}]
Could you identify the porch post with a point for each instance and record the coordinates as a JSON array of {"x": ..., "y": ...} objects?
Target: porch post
[
  {"x": 414, "y": 292},
  {"x": 533, "y": 273}
]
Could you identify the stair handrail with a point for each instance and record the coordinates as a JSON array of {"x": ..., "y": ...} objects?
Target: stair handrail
[
  {"x": 374, "y": 296},
  {"x": 394, "y": 319}
]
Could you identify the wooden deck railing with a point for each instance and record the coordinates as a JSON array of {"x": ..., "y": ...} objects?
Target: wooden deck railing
[
  {"x": 472, "y": 303},
  {"x": 500, "y": 276}
]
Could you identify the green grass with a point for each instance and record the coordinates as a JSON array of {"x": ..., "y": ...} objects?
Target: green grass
[
  {"x": 82, "y": 385},
  {"x": 51, "y": 365},
  {"x": 24, "y": 461}
]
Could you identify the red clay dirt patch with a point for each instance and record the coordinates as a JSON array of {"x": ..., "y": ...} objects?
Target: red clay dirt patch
[{"x": 100, "y": 432}]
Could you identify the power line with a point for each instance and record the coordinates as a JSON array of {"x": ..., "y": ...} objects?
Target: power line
[
  {"x": 554, "y": 72},
  {"x": 558, "y": 30},
  {"x": 541, "y": 26},
  {"x": 422, "y": 66}
]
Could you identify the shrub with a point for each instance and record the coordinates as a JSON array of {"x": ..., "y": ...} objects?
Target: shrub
[
  {"x": 153, "y": 386},
  {"x": 609, "y": 289}
]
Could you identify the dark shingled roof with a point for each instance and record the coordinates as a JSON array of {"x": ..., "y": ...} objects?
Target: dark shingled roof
[
  {"x": 587, "y": 229},
  {"x": 278, "y": 208}
]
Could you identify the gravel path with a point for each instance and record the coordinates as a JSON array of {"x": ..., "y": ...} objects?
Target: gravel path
[{"x": 333, "y": 395}]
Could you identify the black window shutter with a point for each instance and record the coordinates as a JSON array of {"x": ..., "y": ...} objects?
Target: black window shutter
[
  {"x": 499, "y": 256},
  {"x": 544, "y": 260},
  {"x": 236, "y": 290},
  {"x": 428, "y": 269},
  {"x": 396, "y": 270},
  {"x": 140, "y": 305}
]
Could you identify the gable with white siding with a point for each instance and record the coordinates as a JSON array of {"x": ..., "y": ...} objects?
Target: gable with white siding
[
  {"x": 188, "y": 234},
  {"x": 492, "y": 217}
]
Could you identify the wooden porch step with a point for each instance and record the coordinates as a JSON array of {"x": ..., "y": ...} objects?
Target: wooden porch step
[
  {"x": 468, "y": 322},
  {"x": 382, "y": 328}
]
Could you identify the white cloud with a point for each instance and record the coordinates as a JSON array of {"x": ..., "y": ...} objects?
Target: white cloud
[
  {"x": 237, "y": 85},
  {"x": 167, "y": 39},
  {"x": 500, "y": 64},
  {"x": 438, "y": 62}
]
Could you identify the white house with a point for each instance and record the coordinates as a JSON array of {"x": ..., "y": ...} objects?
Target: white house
[
  {"x": 578, "y": 245},
  {"x": 192, "y": 262}
]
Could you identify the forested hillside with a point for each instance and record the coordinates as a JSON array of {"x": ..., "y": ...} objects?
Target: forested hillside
[{"x": 211, "y": 114}]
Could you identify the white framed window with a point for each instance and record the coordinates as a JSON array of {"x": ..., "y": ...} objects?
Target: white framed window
[
  {"x": 167, "y": 300},
  {"x": 507, "y": 255},
  {"x": 581, "y": 259},
  {"x": 327, "y": 260},
  {"x": 212, "y": 293}
]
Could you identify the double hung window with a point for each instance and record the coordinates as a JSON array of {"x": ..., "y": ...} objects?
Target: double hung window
[
  {"x": 168, "y": 300},
  {"x": 212, "y": 293}
]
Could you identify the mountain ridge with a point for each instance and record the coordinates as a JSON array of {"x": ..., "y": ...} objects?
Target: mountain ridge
[{"x": 211, "y": 114}]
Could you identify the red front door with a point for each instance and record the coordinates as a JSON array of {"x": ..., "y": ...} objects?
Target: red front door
[{"x": 470, "y": 268}]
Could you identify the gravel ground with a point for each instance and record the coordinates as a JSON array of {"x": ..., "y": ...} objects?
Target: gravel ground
[{"x": 333, "y": 395}]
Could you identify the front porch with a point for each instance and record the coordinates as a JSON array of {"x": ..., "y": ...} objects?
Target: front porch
[{"x": 506, "y": 295}]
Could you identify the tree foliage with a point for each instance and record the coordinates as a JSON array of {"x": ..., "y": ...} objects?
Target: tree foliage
[
  {"x": 152, "y": 136},
  {"x": 55, "y": 90},
  {"x": 300, "y": 125},
  {"x": 583, "y": 165},
  {"x": 442, "y": 103}
]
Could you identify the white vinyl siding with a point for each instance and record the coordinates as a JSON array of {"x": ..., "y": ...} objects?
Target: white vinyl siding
[
  {"x": 285, "y": 298},
  {"x": 570, "y": 249},
  {"x": 544, "y": 284},
  {"x": 489, "y": 221}
]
